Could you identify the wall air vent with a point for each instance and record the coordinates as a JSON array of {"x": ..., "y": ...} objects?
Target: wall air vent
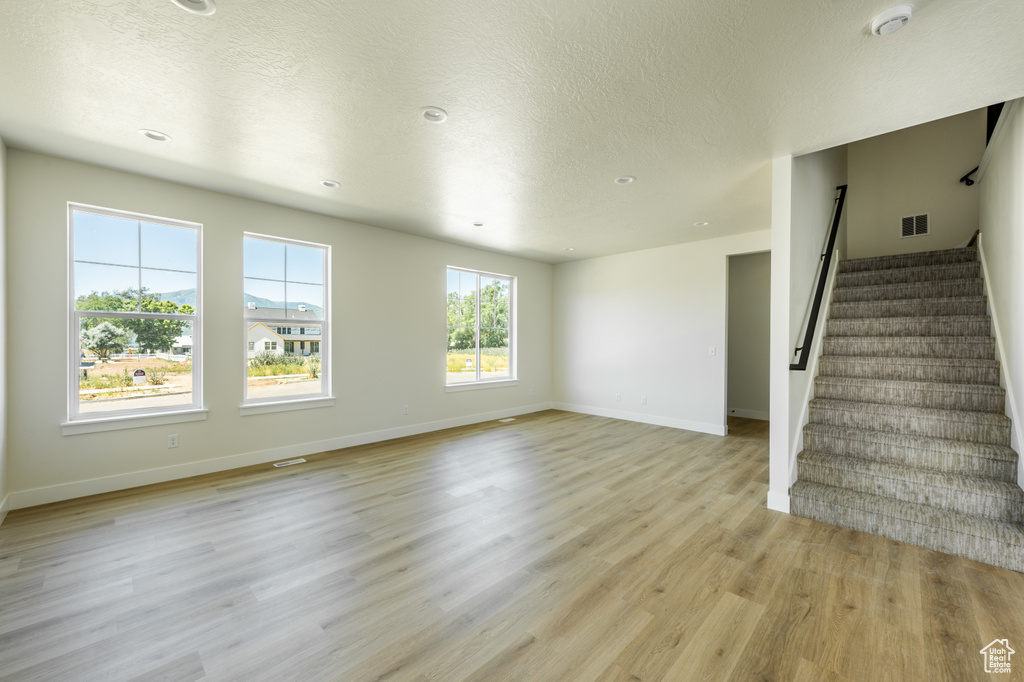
[
  {"x": 914, "y": 225},
  {"x": 289, "y": 463}
]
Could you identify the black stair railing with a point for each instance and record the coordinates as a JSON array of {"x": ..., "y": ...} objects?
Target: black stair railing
[{"x": 819, "y": 290}]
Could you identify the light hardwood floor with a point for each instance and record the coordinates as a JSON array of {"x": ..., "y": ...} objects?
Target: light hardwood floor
[{"x": 554, "y": 547}]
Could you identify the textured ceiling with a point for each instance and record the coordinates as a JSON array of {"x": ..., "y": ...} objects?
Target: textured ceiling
[{"x": 548, "y": 101}]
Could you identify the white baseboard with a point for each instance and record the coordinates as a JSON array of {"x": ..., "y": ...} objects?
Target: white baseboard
[
  {"x": 5, "y": 506},
  {"x": 702, "y": 427},
  {"x": 750, "y": 414},
  {"x": 67, "y": 491},
  {"x": 778, "y": 501},
  {"x": 1016, "y": 436}
]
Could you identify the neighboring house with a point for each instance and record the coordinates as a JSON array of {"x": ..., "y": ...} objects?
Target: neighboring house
[
  {"x": 182, "y": 346},
  {"x": 297, "y": 338},
  {"x": 262, "y": 338}
]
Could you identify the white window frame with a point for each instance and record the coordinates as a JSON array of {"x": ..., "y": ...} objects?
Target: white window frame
[
  {"x": 136, "y": 417},
  {"x": 325, "y": 397},
  {"x": 513, "y": 377}
]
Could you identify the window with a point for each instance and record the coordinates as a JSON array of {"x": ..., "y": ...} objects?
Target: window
[
  {"x": 134, "y": 288},
  {"x": 480, "y": 314},
  {"x": 252, "y": 345},
  {"x": 285, "y": 282}
]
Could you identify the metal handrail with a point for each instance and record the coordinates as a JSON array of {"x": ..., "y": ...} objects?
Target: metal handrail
[{"x": 819, "y": 291}]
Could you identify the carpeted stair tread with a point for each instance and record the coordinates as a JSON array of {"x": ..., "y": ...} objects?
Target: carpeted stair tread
[
  {"x": 949, "y": 325},
  {"x": 939, "y": 289},
  {"x": 910, "y": 260},
  {"x": 982, "y": 427},
  {"x": 997, "y": 500},
  {"x": 982, "y": 460},
  {"x": 909, "y": 307},
  {"x": 994, "y": 542},
  {"x": 927, "y": 273},
  {"x": 967, "y": 347},
  {"x": 941, "y": 370},
  {"x": 966, "y": 397}
]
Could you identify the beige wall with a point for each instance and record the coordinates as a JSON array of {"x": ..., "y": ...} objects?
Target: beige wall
[
  {"x": 388, "y": 292},
  {"x": 1002, "y": 246},
  {"x": 910, "y": 172},
  {"x": 641, "y": 325},
  {"x": 749, "y": 326}
]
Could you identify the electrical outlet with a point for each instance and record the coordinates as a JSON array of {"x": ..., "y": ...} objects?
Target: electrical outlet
[
  {"x": 172, "y": 440},
  {"x": 643, "y": 400},
  {"x": 618, "y": 397},
  {"x": 531, "y": 392},
  {"x": 405, "y": 409}
]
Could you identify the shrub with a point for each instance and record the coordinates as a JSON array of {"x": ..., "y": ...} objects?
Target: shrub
[{"x": 313, "y": 365}]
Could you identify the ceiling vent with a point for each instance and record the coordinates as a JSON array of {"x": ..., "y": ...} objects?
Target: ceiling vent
[
  {"x": 914, "y": 225},
  {"x": 891, "y": 20}
]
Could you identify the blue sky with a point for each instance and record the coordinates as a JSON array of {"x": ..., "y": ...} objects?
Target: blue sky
[{"x": 118, "y": 253}]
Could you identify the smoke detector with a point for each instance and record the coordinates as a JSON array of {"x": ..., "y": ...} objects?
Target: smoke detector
[
  {"x": 891, "y": 20},
  {"x": 201, "y": 7}
]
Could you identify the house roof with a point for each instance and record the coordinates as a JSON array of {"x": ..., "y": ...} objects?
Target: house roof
[
  {"x": 282, "y": 313},
  {"x": 548, "y": 102}
]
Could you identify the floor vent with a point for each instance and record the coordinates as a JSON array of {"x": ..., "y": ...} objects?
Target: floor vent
[
  {"x": 289, "y": 462},
  {"x": 914, "y": 225},
  {"x": 508, "y": 419}
]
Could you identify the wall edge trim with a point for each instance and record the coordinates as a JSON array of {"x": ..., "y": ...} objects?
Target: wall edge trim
[
  {"x": 66, "y": 491},
  {"x": 684, "y": 424}
]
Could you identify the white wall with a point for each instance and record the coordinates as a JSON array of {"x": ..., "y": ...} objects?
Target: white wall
[
  {"x": 749, "y": 334},
  {"x": 641, "y": 324},
  {"x": 4, "y": 477},
  {"x": 803, "y": 196},
  {"x": 1002, "y": 245},
  {"x": 388, "y": 336},
  {"x": 914, "y": 171}
]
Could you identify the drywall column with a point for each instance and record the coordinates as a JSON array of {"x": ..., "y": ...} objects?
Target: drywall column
[
  {"x": 3, "y": 332},
  {"x": 1001, "y": 214},
  {"x": 803, "y": 196},
  {"x": 781, "y": 351}
]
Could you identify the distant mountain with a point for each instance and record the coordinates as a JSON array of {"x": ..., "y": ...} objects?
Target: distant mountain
[{"x": 188, "y": 297}]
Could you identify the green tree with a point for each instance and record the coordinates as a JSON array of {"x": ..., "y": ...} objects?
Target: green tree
[
  {"x": 104, "y": 339},
  {"x": 151, "y": 335}
]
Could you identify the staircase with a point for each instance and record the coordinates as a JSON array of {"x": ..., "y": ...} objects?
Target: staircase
[{"x": 907, "y": 438}]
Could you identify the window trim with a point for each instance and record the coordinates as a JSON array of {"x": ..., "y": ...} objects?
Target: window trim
[
  {"x": 305, "y": 400},
  {"x": 513, "y": 370},
  {"x": 76, "y": 422}
]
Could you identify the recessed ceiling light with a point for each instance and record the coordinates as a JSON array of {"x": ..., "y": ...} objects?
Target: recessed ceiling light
[
  {"x": 625, "y": 180},
  {"x": 434, "y": 114},
  {"x": 331, "y": 184},
  {"x": 478, "y": 224},
  {"x": 891, "y": 20},
  {"x": 202, "y": 7},
  {"x": 702, "y": 223},
  {"x": 155, "y": 135},
  {"x": 568, "y": 248}
]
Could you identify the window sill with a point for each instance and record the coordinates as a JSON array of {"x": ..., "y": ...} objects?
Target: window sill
[
  {"x": 71, "y": 428},
  {"x": 477, "y": 385},
  {"x": 286, "y": 405}
]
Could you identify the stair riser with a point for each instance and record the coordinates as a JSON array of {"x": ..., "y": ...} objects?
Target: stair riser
[
  {"x": 971, "y": 348},
  {"x": 912, "y": 260},
  {"x": 886, "y": 369},
  {"x": 970, "y": 546},
  {"x": 908, "y": 275},
  {"x": 901, "y": 454},
  {"x": 932, "y": 427},
  {"x": 977, "y": 504},
  {"x": 945, "y": 289},
  {"x": 963, "y": 398},
  {"x": 907, "y": 308},
  {"x": 900, "y": 326}
]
